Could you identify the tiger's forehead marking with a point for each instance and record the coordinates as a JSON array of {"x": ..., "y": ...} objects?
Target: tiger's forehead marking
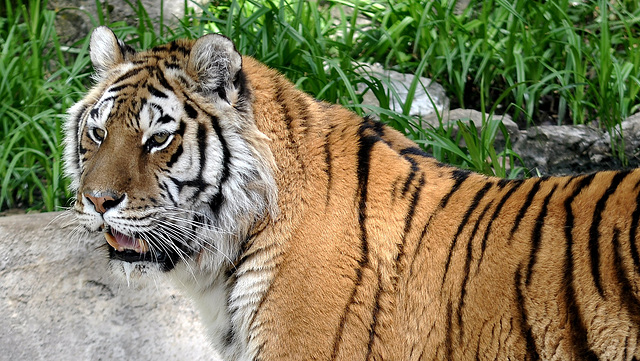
[{"x": 144, "y": 102}]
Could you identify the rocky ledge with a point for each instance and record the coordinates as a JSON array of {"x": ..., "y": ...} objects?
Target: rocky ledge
[{"x": 60, "y": 302}]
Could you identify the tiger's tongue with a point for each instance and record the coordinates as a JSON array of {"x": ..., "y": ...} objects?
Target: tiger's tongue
[{"x": 121, "y": 242}]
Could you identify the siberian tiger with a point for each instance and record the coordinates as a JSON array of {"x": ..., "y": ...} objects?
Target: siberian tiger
[{"x": 303, "y": 231}]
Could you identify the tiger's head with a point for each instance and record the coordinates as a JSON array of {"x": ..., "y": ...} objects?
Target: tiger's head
[{"x": 164, "y": 156}]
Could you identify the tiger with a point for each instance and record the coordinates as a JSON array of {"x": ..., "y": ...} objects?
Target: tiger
[{"x": 303, "y": 231}]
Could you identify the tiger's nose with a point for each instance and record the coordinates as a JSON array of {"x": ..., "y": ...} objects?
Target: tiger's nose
[{"x": 104, "y": 201}]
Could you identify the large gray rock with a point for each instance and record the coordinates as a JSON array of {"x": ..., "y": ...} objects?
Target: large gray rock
[
  {"x": 429, "y": 96},
  {"x": 58, "y": 301},
  {"x": 571, "y": 149}
]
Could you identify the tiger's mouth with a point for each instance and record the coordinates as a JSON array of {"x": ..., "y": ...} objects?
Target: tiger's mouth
[{"x": 130, "y": 249}]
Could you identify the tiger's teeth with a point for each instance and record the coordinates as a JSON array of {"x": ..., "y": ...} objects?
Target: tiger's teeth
[
  {"x": 112, "y": 242},
  {"x": 143, "y": 247}
]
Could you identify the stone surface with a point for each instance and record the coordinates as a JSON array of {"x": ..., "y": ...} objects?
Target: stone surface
[
  {"x": 451, "y": 117},
  {"x": 428, "y": 95},
  {"x": 77, "y": 18},
  {"x": 571, "y": 149},
  {"x": 58, "y": 301}
]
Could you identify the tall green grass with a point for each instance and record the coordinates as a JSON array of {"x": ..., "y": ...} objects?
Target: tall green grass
[
  {"x": 577, "y": 62},
  {"x": 563, "y": 61},
  {"x": 37, "y": 82}
]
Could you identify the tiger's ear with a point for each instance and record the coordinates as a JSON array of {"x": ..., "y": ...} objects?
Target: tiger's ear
[
  {"x": 216, "y": 66},
  {"x": 107, "y": 51}
]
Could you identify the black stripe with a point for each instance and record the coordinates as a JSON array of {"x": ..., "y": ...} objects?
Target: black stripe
[
  {"x": 202, "y": 147},
  {"x": 183, "y": 127},
  {"x": 328, "y": 159},
  {"x": 467, "y": 267},
  {"x": 408, "y": 220},
  {"x": 222, "y": 92},
  {"x": 155, "y": 92},
  {"x": 449, "y": 333},
  {"x": 423, "y": 234},
  {"x": 128, "y": 74},
  {"x": 78, "y": 128},
  {"x": 240, "y": 83},
  {"x": 160, "y": 48},
  {"x": 536, "y": 234},
  {"x": 569, "y": 181},
  {"x": 119, "y": 87},
  {"x": 191, "y": 112},
  {"x": 165, "y": 118},
  {"x": 165, "y": 188},
  {"x": 629, "y": 299},
  {"x": 218, "y": 199},
  {"x": 291, "y": 129},
  {"x": 494, "y": 216},
  {"x": 163, "y": 81},
  {"x": 175, "y": 156},
  {"x": 374, "y": 316},
  {"x": 474, "y": 204},
  {"x": 199, "y": 182},
  {"x": 412, "y": 174},
  {"x": 579, "y": 331},
  {"x": 366, "y": 144},
  {"x": 525, "y": 206},
  {"x": 532, "y": 352},
  {"x": 415, "y": 151},
  {"x": 175, "y": 47},
  {"x": 594, "y": 233},
  {"x": 376, "y": 126},
  {"x": 504, "y": 182},
  {"x": 459, "y": 175},
  {"x": 633, "y": 230}
]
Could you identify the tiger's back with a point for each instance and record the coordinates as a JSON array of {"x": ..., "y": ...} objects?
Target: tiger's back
[
  {"x": 378, "y": 251},
  {"x": 446, "y": 264}
]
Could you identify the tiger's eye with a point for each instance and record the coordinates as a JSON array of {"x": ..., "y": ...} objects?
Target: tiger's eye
[
  {"x": 160, "y": 138},
  {"x": 99, "y": 134}
]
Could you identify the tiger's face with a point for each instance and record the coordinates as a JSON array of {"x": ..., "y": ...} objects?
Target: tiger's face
[{"x": 164, "y": 155}]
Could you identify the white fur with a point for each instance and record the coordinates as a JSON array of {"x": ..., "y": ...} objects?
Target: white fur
[{"x": 105, "y": 51}]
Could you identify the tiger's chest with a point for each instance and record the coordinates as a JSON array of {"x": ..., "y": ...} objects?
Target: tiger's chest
[{"x": 226, "y": 310}]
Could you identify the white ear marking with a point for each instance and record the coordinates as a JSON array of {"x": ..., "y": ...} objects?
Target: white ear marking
[{"x": 105, "y": 50}]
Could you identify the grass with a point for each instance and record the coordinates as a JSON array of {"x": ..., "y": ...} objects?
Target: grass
[
  {"x": 564, "y": 62},
  {"x": 35, "y": 90},
  {"x": 560, "y": 62}
]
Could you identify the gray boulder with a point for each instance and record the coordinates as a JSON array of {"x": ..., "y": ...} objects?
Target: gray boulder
[{"x": 571, "y": 149}]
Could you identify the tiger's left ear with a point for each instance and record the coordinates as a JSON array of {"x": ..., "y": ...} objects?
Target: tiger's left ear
[
  {"x": 107, "y": 51},
  {"x": 216, "y": 66}
]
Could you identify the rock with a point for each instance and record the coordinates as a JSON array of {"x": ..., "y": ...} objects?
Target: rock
[
  {"x": 77, "y": 18},
  {"x": 60, "y": 302},
  {"x": 428, "y": 96},
  {"x": 451, "y": 117},
  {"x": 571, "y": 149}
]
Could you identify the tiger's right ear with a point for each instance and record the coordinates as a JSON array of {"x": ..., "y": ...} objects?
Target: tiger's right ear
[
  {"x": 216, "y": 66},
  {"x": 107, "y": 51}
]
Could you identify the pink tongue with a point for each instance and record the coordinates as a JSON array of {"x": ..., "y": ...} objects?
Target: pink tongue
[{"x": 124, "y": 240}]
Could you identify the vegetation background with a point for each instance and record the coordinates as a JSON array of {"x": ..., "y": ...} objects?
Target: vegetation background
[{"x": 543, "y": 62}]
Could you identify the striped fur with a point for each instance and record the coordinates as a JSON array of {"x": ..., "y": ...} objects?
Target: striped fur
[{"x": 315, "y": 234}]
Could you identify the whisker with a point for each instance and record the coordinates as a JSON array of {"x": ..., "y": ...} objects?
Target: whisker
[{"x": 175, "y": 229}]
